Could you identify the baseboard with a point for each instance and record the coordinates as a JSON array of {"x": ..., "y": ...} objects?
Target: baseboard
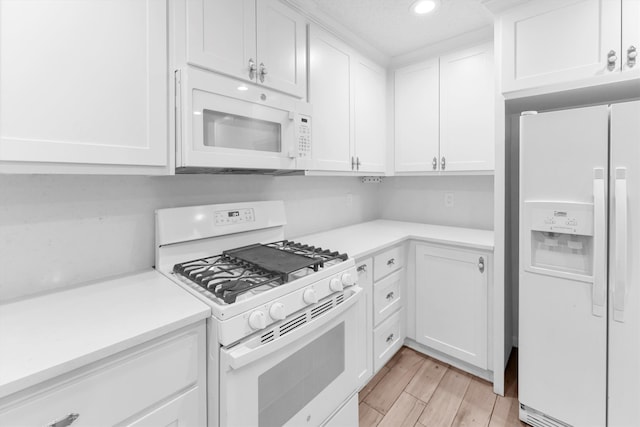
[{"x": 463, "y": 366}]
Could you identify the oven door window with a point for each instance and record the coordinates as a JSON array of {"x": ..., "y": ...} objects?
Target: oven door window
[
  {"x": 298, "y": 379},
  {"x": 224, "y": 130},
  {"x": 290, "y": 385}
]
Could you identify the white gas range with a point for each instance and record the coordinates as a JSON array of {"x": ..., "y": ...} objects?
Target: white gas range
[{"x": 282, "y": 334}]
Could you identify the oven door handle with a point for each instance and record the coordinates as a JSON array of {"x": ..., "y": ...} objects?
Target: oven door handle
[{"x": 242, "y": 354}]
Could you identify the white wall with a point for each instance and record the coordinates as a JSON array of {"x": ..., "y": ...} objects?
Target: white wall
[
  {"x": 62, "y": 230},
  {"x": 421, "y": 199}
]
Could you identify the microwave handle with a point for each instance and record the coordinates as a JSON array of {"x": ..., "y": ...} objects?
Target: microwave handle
[
  {"x": 293, "y": 149},
  {"x": 242, "y": 355}
]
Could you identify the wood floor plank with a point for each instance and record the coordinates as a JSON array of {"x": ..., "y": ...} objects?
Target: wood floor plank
[
  {"x": 367, "y": 416},
  {"x": 505, "y": 413},
  {"x": 385, "y": 393},
  {"x": 372, "y": 383},
  {"x": 404, "y": 412},
  {"x": 424, "y": 383},
  {"x": 477, "y": 405},
  {"x": 443, "y": 405}
]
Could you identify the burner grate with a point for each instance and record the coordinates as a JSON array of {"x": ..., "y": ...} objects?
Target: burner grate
[{"x": 241, "y": 270}]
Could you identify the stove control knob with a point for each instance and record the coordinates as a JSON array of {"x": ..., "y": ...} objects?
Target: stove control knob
[
  {"x": 347, "y": 279},
  {"x": 336, "y": 285},
  {"x": 309, "y": 296},
  {"x": 257, "y": 320},
  {"x": 277, "y": 312}
]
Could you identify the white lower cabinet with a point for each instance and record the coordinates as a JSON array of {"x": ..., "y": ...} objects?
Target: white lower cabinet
[
  {"x": 387, "y": 339},
  {"x": 161, "y": 383},
  {"x": 365, "y": 327},
  {"x": 451, "y": 305}
]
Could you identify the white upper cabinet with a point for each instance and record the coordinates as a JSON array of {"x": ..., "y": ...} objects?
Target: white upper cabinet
[
  {"x": 369, "y": 101},
  {"x": 348, "y": 94},
  {"x": 467, "y": 104},
  {"x": 417, "y": 113},
  {"x": 330, "y": 95},
  {"x": 222, "y": 36},
  {"x": 84, "y": 83},
  {"x": 630, "y": 35},
  {"x": 261, "y": 41},
  {"x": 549, "y": 42},
  {"x": 282, "y": 48},
  {"x": 444, "y": 113}
]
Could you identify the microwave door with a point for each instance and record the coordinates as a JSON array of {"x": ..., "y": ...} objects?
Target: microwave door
[{"x": 226, "y": 132}]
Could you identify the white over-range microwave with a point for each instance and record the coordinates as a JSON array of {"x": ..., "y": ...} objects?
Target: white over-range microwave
[{"x": 225, "y": 125}]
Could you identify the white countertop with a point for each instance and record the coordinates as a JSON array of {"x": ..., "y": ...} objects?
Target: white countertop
[
  {"x": 366, "y": 238},
  {"x": 43, "y": 337}
]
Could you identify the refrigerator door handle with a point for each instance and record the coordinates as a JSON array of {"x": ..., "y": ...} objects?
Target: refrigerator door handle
[
  {"x": 599, "y": 245},
  {"x": 621, "y": 245}
]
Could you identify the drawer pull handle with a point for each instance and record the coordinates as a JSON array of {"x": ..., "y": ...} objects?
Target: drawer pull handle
[
  {"x": 362, "y": 268},
  {"x": 391, "y": 295},
  {"x": 391, "y": 261},
  {"x": 64, "y": 422},
  {"x": 390, "y": 338}
]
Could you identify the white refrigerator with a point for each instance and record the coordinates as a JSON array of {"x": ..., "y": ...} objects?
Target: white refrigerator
[{"x": 579, "y": 272}]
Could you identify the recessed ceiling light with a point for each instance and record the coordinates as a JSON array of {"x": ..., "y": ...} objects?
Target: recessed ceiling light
[
  {"x": 422, "y": 7},
  {"x": 242, "y": 88}
]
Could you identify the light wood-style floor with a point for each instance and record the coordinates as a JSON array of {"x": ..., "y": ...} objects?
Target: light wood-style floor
[{"x": 415, "y": 390}]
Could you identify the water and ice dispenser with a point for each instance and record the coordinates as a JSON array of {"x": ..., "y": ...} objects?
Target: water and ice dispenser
[{"x": 559, "y": 239}]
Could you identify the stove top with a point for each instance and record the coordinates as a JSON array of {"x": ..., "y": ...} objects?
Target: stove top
[{"x": 240, "y": 273}]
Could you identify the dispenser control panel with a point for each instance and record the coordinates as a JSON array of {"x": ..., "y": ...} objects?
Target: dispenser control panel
[{"x": 566, "y": 218}]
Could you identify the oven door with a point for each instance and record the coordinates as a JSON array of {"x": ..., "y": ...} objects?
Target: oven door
[
  {"x": 299, "y": 378},
  {"x": 229, "y": 124}
]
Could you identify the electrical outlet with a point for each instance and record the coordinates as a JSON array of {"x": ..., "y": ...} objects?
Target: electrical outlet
[{"x": 448, "y": 200}]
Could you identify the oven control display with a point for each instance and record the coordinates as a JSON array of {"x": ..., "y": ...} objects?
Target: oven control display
[{"x": 234, "y": 217}]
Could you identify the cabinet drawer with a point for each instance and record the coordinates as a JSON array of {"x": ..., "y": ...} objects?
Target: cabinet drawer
[
  {"x": 387, "y": 339},
  {"x": 387, "y": 262},
  {"x": 365, "y": 273},
  {"x": 386, "y": 297},
  {"x": 119, "y": 389}
]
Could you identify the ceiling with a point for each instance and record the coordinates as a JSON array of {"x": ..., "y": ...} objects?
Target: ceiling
[{"x": 390, "y": 27}]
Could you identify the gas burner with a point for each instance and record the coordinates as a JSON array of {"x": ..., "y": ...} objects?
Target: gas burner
[{"x": 241, "y": 272}]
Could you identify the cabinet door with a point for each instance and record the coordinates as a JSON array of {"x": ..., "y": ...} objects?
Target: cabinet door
[
  {"x": 451, "y": 303},
  {"x": 467, "y": 110},
  {"x": 417, "y": 113},
  {"x": 630, "y": 35},
  {"x": 365, "y": 326},
  {"x": 221, "y": 36},
  {"x": 282, "y": 46},
  {"x": 84, "y": 82},
  {"x": 330, "y": 94},
  {"x": 179, "y": 412},
  {"x": 553, "y": 41},
  {"x": 369, "y": 92}
]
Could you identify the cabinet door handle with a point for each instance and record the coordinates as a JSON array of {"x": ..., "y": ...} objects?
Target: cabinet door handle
[
  {"x": 362, "y": 268},
  {"x": 391, "y": 261},
  {"x": 390, "y": 338},
  {"x": 390, "y": 295},
  {"x": 358, "y": 163},
  {"x": 353, "y": 163},
  {"x": 611, "y": 60},
  {"x": 632, "y": 53},
  {"x": 443, "y": 163},
  {"x": 252, "y": 69},
  {"x": 263, "y": 72},
  {"x": 64, "y": 422},
  {"x": 481, "y": 264},
  {"x": 434, "y": 163}
]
